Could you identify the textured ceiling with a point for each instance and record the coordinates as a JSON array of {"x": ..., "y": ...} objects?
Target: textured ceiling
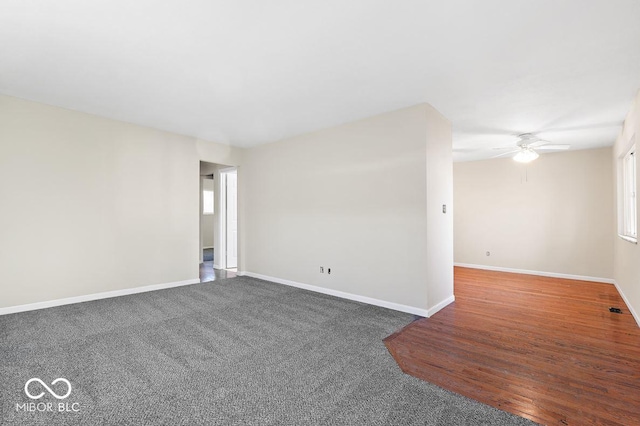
[{"x": 250, "y": 72}]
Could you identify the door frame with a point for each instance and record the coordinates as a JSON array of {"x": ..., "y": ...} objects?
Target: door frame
[{"x": 222, "y": 230}]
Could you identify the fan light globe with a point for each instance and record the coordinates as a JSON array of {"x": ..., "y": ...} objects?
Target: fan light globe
[{"x": 526, "y": 156}]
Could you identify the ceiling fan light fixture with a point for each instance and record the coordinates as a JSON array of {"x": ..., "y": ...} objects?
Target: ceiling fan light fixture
[{"x": 526, "y": 155}]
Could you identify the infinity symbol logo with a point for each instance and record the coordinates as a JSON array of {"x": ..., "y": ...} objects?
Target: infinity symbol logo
[{"x": 35, "y": 379}]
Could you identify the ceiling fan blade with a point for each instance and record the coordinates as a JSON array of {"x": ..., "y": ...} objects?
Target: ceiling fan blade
[
  {"x": 554, "y": 147},
  {"x": 504, "y": 154},
  {"x": 538, "y": 143},
  {"x": 482, "y": 149}
]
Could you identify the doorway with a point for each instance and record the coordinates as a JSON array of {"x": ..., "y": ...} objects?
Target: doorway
[{"x": 218, "y": 221}]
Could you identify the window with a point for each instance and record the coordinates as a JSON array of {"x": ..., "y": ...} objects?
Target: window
[
  {"x": 207, "y": 202},
  {"x": 629, "y": 203}
]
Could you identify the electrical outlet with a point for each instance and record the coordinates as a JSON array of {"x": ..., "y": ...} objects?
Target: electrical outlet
[
  {"x": 488, "y": 253},
  {"x": 328, "y": 270},
  {"x": 322, "y": 269}
]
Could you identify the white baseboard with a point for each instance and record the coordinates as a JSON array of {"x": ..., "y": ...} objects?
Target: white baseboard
[
  {"x": 94, "y": 296},
  {"x": 207, "y": 247},
  {"x": 441, "y": 305},
  {"x": 216, "y": 266},
  {"x": 355, "y": 297},
  {"x": 626, "y": 301},
  {"x": 539, "y": 273}
]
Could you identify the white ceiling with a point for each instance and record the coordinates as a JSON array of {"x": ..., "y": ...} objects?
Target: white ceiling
[{"x": 246, "y": 72}]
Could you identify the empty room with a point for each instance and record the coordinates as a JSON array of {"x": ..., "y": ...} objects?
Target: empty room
[{"x": 319, "y": 212}]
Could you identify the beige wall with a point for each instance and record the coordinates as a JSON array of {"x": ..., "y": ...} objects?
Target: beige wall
[
  {"x": 553, "y": 215},
  {"x": 122, "y": 203},
  {"x": 113, "y": 206},
  {"x": 626, "y": 254},
  {"x": 439, "y": 257},
  {"x": 354, "y": 198}
]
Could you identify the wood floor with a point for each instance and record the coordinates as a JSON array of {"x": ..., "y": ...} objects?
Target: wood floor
[
  {"x": 208, "y": 273},
  {"x": 546, "y": 349}
]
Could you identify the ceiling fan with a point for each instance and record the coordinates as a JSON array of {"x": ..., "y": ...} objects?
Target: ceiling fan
[{"x": 527, "y": 148}]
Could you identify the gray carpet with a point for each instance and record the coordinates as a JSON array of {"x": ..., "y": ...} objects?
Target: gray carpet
[{"x": 235, "y": 351}]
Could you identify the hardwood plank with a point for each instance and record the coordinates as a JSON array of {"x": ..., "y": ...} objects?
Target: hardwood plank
[
  {"x": 207, "y": 273},
  {"x": 543, "y": 348}
]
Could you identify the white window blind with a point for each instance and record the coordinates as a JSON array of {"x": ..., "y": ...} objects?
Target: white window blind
[
  {"x": 629, "y": 214},
  {"x": 207, "y": 202}
]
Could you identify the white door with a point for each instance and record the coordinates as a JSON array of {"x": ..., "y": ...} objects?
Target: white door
[{"x": 232, "y": 219}]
